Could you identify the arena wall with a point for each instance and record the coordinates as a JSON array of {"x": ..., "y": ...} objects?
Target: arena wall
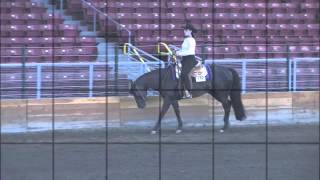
[{"x": 122, "y": 111}]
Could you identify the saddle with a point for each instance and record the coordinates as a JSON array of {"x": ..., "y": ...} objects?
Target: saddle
[{"x": 199, "y": 72}]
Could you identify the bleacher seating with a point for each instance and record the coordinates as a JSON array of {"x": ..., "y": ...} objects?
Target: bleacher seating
[
  {"x": 228, "y": 29},
  {"x": 31, "y": 33},
  {"x": 28, "y": 24},
  {"x": 246, "y": 21}
]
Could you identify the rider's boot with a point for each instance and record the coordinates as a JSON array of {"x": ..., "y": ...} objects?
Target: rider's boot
[{"x": 187, "y": 95}]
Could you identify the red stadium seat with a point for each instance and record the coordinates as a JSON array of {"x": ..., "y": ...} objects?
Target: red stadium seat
[
  {"x": 12, "y": 55},
  {"x": 255, "y": 18},
  {"x": 86, "y": 53},
  {"x": 294, "y": 51},
  {"x": 313, "y": 29},
  {"x": 312, "y": 8},
  {"x": 141, "y": 7},
  {"x": 231, "y": 52},
  {"x": 47, "y": 54},
  {"x": 65, "y": 54},
  {"x": 260, "y": 39},
  {"x": 276, "y": 8},
  {"x": 50, "y": 18},
  {"x": 33, "y": 55},
  {"x": 125, "y": 7},
  {"x": 47, "y": 41},
  {"x": 298, "y": 30},
  {"x": 261, "y": 51},
  {"x": 248, "y": 51},
  {"x": 220, "y": 7},
  {"x": 249, "y": 8},
  {"x": 191, "y": 7},
  {"x": 218, "y": 52},
  {"x": 65, "y": 41},
  {"x": 87, "y": 41},
  {"x": 69, "y": 30},
  {"x": 291, "y": 7},
  {"x": 32, "y": 41},
  {"x": 277, "y": 51},
  {"x": 309, "y": 50},
  {"x": 276, "y": 40},
  {"x": 235, "y": 7},
  {"x": 258, "y": 29}
]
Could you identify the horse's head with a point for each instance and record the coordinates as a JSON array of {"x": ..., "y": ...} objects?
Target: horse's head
[{"x": 139, "y": 94}]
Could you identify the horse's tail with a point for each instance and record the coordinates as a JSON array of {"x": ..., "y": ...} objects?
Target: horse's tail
[{"x": 236, "y": 101}]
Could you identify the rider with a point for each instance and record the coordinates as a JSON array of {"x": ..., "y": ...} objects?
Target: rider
[{"x": 187, "y": 52}]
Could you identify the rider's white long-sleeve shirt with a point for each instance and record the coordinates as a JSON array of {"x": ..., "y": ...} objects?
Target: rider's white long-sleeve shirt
[{"x": 188, "y": 47}]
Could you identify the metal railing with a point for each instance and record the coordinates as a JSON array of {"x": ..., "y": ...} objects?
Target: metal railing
[
  {"x": 88, "y": 79},
  {"x": 305, "y": 74},
  {"x": 141, "y": 56},
  {"x": 84, "y": 79},
  {"x": 97, "y": 11}
]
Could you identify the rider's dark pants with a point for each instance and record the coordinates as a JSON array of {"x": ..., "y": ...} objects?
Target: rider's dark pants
[{"x": 188, "y": 62}]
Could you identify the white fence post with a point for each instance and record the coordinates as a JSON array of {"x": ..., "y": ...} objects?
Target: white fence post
[
  {"x": 91, "y": 70},
  {"x": 244, "y": 76},
  {"x": 39, "y": 79}
]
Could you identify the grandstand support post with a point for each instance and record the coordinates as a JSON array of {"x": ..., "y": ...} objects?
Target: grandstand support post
[
  {"x": 203, "y": 55},
  {"x": 289, "y": 69},
  {"x": 61, "y": 5},
  {"x": 294, "y": 75},
  {"x": 39, "y": 77},
  {"x": 95, "y": 21},
  {"x": 129, "y": 46},
  {"x": 23, "y": 73},
  {"x": 116, "y": 68},
  {"x": 244, "y": 76},
  {"x": 91, "y": 69},
  {"x": 23, "y": 81}
]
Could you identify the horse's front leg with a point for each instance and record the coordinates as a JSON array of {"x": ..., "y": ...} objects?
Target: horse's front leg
[
  {"x": 164, "y": 109},
  {"x": 176, "y": 108}
]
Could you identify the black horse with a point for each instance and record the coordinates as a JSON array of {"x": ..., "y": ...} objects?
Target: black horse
[{"x": 224, "y": 87}]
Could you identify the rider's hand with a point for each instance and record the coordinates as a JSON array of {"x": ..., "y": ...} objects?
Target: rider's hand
[{"x": 174, "y": 52}]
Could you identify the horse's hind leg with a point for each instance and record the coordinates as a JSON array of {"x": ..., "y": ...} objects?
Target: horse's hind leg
[
  {"x": 175, "y": 105},
  {"x": 226, "y": 106},
  {"x": 222, "y": 97}
]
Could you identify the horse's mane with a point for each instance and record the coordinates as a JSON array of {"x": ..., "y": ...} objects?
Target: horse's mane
[{"x": 156, "y": 72}]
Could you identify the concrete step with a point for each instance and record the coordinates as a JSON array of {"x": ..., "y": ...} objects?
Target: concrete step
[
  {"x": 52, "y": 10},
  {"x": 104, "y": 50},
  {"x": 74, "y": 22},
  {"x": 100, "y": 40},
  {"x": 88, "y": 33},
  {"x": 67, "y": 18},
  {"x": 123, "y": 58},
  {"x": 83, "y": 28}
]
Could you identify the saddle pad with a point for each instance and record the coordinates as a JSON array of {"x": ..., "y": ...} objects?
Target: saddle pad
[{"x": 175, "y": 75}]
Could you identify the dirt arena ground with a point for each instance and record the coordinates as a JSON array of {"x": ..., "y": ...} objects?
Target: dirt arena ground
[{"x": 240, "y": 153}]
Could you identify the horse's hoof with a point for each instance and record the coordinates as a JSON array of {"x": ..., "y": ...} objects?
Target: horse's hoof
[
  {"x": 244, "y": 118},
  {"x": 221, "y": 130},
  {"x": 178, "y": 131},
  {"x": 153, "y": 132}
]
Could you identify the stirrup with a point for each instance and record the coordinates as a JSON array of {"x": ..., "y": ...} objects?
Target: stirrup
[{"x": 187, "y": 95}]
